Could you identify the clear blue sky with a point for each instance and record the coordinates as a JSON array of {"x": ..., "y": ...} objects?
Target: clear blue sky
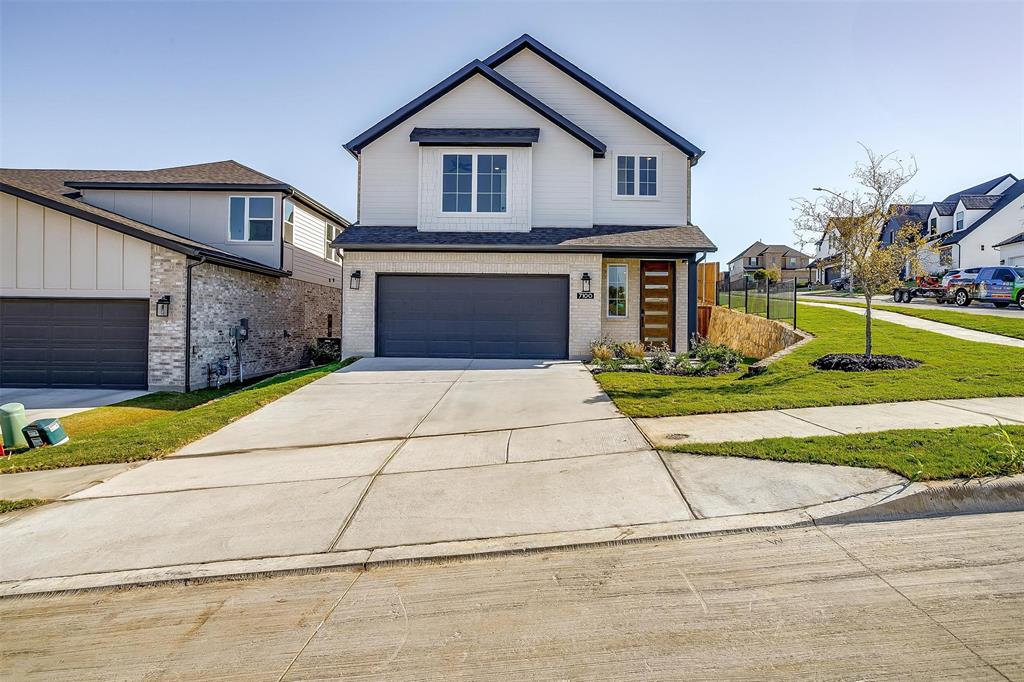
[{"x": 778, "y": 94}]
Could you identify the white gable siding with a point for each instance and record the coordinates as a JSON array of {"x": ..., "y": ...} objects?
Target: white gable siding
[
  {"x": 616, "y": 129},
  {"x": 562, "y": 166},
  {"x": 44, "y": 252},
  {"x": 999, "y": 227},
  {"x": 304, "y": 257},
  {"x": 1001, "y": 187}
]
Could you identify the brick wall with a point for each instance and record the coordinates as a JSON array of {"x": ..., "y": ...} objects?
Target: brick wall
[
  {"x": 628, "y": 328},
  {"x": 167, "y": 334},
  {"x": 285, "y": 315},
  {"x": 584, "y": 315}
]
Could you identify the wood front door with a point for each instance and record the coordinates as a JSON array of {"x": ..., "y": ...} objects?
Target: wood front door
[{"x": 658, "y": 303}]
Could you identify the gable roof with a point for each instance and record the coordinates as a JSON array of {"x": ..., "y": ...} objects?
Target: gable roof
[
  {"x": 1015, "y": 239},
  {"x": 979, "y": 201},
  {"x": 905, "y": 214},
  {"x": 474, "y": 68},
  {"x": 215, "y": 176},
  {"x": 945, "y": 207},
  {"x": 47, "y": 188},
  {"x": 1007, "y": 198},
  {"x": 754, "y": 249},
  {"x": 759, "y": 247},
  {"x": 527, "y": 41},
  {"x": 983, "y": 188}
]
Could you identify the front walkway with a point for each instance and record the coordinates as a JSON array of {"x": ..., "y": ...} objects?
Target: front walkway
[
  {"x": 61, "y": 402},
  {"x": 927, "y": 325},
  {"x": 398, "y": 459},
  {"x": 830, "y": 421}
]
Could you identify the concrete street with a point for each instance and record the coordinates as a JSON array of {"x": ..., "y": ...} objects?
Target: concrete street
[
  {"x": 935, "y": 599},
  {"x": 392, "y": 459}
]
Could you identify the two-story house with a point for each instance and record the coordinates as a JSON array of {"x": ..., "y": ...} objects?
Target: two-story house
[
  {"x": 789, "y": 262},
  {"x": 164, "y": 279},
  {"x": 978, "y": 220},
  {"x": 520, "y": 209}
]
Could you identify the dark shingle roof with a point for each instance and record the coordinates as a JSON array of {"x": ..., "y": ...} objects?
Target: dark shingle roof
[
  {"x": 945, "y": 207},
  {"x": 216, "y": 173},
  {"x": 1015, "y": 239},
  {"x": 1007, "y": 198},
  {"x": 596, "y": 239},
  {"x": 527, "y": 41},
  {"x": 979, "y": 201},
  {"x": 497, "y": 136},
  {"x": 474, "y": 68},
  {"x": 47, "y": 187},
  {"x": 983, "y": 188}
]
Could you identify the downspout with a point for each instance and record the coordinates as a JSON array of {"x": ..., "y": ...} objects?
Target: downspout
[{"x": 188, "y": 321}]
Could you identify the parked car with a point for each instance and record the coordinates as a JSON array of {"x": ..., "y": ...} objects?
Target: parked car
[
  {"x": 841, "y": 283},
  {"x": 999, "y": 286},
  {"x": 958, "y": 275}
]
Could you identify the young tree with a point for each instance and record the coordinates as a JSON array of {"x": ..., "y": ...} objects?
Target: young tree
[{"x": 853, "y": 220}]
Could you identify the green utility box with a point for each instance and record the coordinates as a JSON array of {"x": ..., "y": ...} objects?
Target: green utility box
[
  {"x": 12, "y": 421},
  {"x": 45, "y": 432}
]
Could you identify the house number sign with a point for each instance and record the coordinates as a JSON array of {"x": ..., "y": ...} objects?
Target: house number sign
[{"x": 585, "y": 294}]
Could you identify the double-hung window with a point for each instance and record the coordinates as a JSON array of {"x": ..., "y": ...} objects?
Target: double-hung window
[
  {"x": 474, "y": 183},
  {"x": 960, "y": 220},
  {"x": 251, "y": 219},
  {"x": 617, "y": 278},
  {"x": 636, "y": 175}
]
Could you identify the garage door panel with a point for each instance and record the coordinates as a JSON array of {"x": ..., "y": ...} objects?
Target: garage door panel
[
  {"x": 475, "y": 316},
  {"x": 74, "y": 343}
]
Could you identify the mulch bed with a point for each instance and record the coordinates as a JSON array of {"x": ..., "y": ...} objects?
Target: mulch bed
[{"x": 855, "y": 362}]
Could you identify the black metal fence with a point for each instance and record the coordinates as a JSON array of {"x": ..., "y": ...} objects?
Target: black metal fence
[{"x": 771, "y": 300}]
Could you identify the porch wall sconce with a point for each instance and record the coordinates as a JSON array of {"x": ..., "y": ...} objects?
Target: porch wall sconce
[
  {"x": 353, "y": 280},
  {"x": 163, "y": 306},
  {"x": 586, "y": 281}
]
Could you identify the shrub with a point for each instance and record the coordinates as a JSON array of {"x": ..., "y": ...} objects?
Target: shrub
[
  {"x": 633, "y": 350},
  {"x": 324, "y": 351},
  {"x": 661, "y": 359},
  {"x": 725, "y": 357},
  {"x": 602, "y": 353}
]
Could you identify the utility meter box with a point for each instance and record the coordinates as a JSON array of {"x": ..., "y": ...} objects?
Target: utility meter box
[{"x": 45, "y": 432}]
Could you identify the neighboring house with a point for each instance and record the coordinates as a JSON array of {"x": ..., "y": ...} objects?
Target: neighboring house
[
  {"x": 520, "y": 208},
  {"x": 156, "y": 279},
  {"x": 1011, "y": 251},
  {"x": 827, "y": 263},
  {"x": 980, "y": 221},
  {"x": 792, "y": 264},
  {"x": 914, "y": 214}
]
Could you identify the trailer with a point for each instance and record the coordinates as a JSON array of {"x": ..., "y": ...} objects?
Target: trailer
[{"x": 920, "y": 287}]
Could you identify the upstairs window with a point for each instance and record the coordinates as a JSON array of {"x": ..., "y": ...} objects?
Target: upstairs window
[
  {"x": 933, "y": 225},
  {"x": 960, "y": 220},
  {"x": 636, "y": 175},
  {"x": 617, "y": 290},
  {"x": 251, "y": 219},
  {"x": 474, "y": 183},
  {"x": 792, "y": 262},
  {"x": 288, "y": 221}
]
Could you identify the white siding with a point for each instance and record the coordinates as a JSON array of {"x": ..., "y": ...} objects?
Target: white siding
[
  {"x": 305, "y": 256},
  {"x": 1000, "y": 227},
  {"x": 202, "y": 216},
  {"x": 309, "y": 231},
  {"x": 620, "y": 132},
  {"x": 562, "y": 166},
  {"x": 48, "y": 253}
]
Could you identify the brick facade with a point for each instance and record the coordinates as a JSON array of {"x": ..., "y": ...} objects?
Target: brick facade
[
  {"x": 628, "y": 328},
  {"x": 357, "y": 336},
  {"x": 285, "y": 315}
]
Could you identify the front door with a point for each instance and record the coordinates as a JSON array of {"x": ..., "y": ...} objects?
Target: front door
[{"x": 657, "y": 303}]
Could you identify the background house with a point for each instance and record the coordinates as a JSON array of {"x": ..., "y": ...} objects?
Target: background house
[
  {"x": 791, "y": 263},
  {"x": 162, "y": 279}
]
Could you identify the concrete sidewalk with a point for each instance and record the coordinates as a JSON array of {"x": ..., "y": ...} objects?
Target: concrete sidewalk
[
  {"x": 976, "y": 308},
  {"x": 831, "y": 421},
  {"x": 927, "y": 325},
  {"x": 404, "y": 459}
]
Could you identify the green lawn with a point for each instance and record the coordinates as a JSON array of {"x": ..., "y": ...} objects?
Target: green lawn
[
  {"x": 158, "y": 424},
  {"x": 994, "y": 324},
  {"x": 923, "y": 454},
  {"x": 952, "y": 369}
]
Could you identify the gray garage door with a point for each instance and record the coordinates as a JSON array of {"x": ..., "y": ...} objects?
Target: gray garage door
[
  {"x": 73, "y": 343},
  {"x": 472, "y": 317}
]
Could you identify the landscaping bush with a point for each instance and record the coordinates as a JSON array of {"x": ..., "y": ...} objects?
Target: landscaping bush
[
  {"x": 325, "y": 350},
  {"x": 634, "y": 350},
  {"x": 726, "y": 357}
]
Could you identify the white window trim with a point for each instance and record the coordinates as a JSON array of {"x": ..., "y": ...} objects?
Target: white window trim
[
  {"x": 959, "y": 217},
  {"x": 608, "y": 280},
  {"x": 475, "y": 153},
  {"x": 636, "y": 178},
  {"x": 272, "y": 219},
  {"x": 331, "y": 255},
  {"x": 285, "y": 223}
]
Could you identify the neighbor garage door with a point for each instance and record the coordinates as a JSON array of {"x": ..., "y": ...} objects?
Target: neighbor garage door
[
  {"x": 73, "y": 343},
  {"x": 472, "y": 316}
]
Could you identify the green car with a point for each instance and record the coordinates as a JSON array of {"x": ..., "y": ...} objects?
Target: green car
[{"x": 999, "y": 286}]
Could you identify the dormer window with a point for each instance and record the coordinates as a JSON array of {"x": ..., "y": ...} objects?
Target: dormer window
[
  {"x": 933, "y": 225},
  {"x": 474, "y": 183},
  {"x": 960, "y": 220},
  {"x": 636, "y": 176},
  {"x": 251, "y": 219}
]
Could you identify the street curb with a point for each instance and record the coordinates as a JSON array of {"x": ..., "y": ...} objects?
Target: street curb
[{"x": 892, "y": 503}]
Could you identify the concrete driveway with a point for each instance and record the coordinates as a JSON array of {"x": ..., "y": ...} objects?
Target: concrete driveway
[
  {"x": 61, "y": 402},
  {"x": 401, "y": 458}
]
